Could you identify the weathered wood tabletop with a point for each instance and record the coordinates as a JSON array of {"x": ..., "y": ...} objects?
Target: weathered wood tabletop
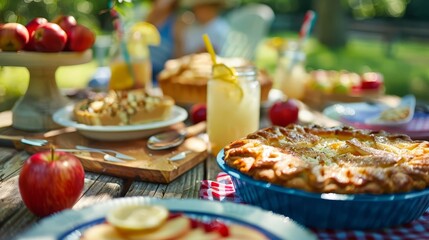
[{"x": 16, "y": 218}]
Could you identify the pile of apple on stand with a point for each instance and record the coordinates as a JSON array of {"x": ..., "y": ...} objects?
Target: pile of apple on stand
[
  {"x": 39, "y": 35},
  {"x": 45, "y": 175}
]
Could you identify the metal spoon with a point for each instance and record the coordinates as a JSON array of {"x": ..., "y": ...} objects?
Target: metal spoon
[
  {"x": 14, "y": 140},
  {"x": 171, "y": 139}
]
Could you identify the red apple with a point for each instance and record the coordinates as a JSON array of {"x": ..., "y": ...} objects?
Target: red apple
[
  {"x": 80, "y": 38},
  {"x": 66, "y": 22},
  {"x": 283, "y": 113},
  {"x": 13, "y": 37},
  {"x": 371, "y": 81},
  {"x": 51, "y": 181},
  {"x": 198, "y": 112},
  {"x": 34, "y": 24},
  {"x": 31, "y": 27},
  {"x": 49, "y": 37}
]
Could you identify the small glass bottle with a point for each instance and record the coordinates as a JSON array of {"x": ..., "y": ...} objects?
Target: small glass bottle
[
  {"x": 291, "y": 76},
  {"x": 230, "y": 115},
  {"x": 130, "y": 66}
]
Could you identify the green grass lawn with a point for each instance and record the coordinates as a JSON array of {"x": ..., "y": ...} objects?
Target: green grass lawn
[
  {"x": 404, "y": 72},
  {"x": 14, "y": 81}
]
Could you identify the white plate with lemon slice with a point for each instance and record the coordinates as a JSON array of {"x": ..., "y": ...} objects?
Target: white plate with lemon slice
[{"x": 69, "y": 224}]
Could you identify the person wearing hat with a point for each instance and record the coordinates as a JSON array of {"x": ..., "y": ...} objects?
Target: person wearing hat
[{"x": 205, "y": 18}]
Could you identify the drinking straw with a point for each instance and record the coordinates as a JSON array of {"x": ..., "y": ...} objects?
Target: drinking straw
[
  {"x": 307, "y": 24},
  {"x": 209, "y": 47},
  {"x": 306, "y": 27},
  {"x": 119, "y": 28}
]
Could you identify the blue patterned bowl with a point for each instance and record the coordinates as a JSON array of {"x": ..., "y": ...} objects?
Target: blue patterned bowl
[{"x": 329, "y": 210}]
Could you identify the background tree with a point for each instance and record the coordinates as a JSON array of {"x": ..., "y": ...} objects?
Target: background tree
[{"x": 331, "y": 23}]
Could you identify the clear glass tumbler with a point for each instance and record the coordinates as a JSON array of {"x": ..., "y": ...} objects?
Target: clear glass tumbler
[{"x": 230, "y": 114}]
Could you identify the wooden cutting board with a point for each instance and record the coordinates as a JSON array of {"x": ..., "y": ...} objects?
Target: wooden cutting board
[{"x": 150, "y": 165}]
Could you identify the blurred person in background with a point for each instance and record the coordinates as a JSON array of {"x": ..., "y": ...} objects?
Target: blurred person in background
[
  {"x": 164, "y": 15},
  {"x": 204, "y": 17}
]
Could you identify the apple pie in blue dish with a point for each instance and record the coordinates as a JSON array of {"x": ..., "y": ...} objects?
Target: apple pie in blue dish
[{"x": 331, "y": 177}]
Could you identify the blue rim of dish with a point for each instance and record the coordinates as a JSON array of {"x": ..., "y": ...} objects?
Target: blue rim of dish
[
  {"x": 322, "y": 196},
  {"x": 76, "y": 232}
]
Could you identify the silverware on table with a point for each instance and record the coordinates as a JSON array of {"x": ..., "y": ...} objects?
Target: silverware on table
[
  {"x": 113, "y": 152},
  {"x": 171, "y": 139},
  {"x": 115, "y": 156},
  {"x": 106, "y": 156},
  {"x": 179, "y": 156},
  {"x": 11, "y": 140}
]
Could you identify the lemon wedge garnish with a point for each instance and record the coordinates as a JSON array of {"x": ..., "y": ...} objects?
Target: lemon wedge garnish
[
  {"x": 146, "y": 32},
  {"x": 140, "y": 36},
  {"x": 227, "y": 74},
  {"x": 277, "y": 43},
  {"x": 221, "y": 71},
  {"x": 138, "y": 217}
]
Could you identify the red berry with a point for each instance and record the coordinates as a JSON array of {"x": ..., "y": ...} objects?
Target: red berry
[
  {"x": 217, "y": 226},
  {"x": 195, "y": 223},
  {"x": 174, "y": 215}
]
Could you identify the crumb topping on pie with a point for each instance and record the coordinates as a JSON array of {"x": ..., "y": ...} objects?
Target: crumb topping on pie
[
  {"x": 123, "y": 108},
  {"x": 332, "y": 160}
]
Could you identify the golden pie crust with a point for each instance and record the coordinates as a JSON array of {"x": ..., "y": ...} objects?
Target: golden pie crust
[
  {"x": 185, "y": 79},
  {"x": 332, "y": 160},
  {"x": 123, "y": 108}
]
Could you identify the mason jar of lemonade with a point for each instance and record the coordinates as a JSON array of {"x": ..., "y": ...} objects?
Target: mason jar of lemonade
[
  {"x": 130, "y": 65},
  {"x": 130, "y": 74},
  {"x": 233, "y": 104}
]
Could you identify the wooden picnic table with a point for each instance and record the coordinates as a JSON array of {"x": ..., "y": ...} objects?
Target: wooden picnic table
[{"x": 16, "y": 218}]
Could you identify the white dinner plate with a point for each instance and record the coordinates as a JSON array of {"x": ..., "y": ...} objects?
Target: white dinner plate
[
  {"x": 68, "y": 224},
  {"x": 64, "y": 117}
]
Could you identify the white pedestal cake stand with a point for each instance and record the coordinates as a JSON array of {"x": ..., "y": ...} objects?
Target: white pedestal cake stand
[{"x": 33, "y": 111}]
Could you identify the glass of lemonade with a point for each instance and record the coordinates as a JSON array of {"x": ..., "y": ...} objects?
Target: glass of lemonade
[
  {"x": 131, "y": 67},
  {"x": 232, "y": 113},
  {"x": 122, "y": 78}
]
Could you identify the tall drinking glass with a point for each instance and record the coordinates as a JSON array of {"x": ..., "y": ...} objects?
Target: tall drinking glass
[{"x": 232, "y": 113}]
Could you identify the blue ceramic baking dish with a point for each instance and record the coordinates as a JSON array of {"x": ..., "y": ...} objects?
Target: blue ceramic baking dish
[{"x": 329, "y": 210}]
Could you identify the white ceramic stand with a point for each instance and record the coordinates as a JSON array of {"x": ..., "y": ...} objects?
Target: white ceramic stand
[{"x": 34, "y": 110}]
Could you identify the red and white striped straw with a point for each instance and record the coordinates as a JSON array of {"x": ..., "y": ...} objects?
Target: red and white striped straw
[{"x": 309, "y": 18}]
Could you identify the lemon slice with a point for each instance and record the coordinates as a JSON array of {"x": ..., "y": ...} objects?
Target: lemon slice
[
  {"x": 140, "y": 36},
  {"x": 224, "y": 73},
  {"x": 138, "y": 217},
  {"x": 277, "y": 43},
  {"x": 146, "y": 32},
  {"x": 220, "y": 70}
]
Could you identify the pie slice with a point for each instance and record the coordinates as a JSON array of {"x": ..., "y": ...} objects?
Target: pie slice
[{"x": 123, "y": 108}]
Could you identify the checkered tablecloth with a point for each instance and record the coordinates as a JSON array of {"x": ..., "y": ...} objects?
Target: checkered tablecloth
[{"x": 223, "y": 190}]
